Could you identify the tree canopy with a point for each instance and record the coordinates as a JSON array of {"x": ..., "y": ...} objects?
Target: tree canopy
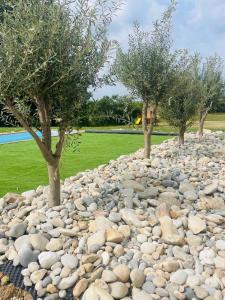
[
  {"x": 180, "y": 108},
  {"x": 50, "y": 57},
  {"x": 145, "y": 68},
  {"x": 208, "y": 74}
]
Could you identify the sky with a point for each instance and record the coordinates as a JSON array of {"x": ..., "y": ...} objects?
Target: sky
[{"x": 198, "y": 25}]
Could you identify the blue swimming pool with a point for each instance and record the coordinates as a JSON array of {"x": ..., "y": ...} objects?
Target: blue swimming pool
[
  {"x": 19, "y": 137},
  {"x": 16, "y": 137}
]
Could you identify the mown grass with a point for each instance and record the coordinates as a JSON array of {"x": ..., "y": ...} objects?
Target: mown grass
[
  {"x": 216, "y": 117},
  {"x": 23, "y": 168},
  {"x": 10, "y": 129}
]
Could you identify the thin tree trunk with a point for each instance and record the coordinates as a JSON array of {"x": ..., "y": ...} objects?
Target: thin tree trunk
[
  {"x": 151, "y": 126},
  {"x": 54, "y": 185},
  {"x": 181, "y": 135},
  {"x": 147, "y": 143},
  {"x": 147, "y": 146},
  {"x": 202, "y": 118},
  {"x": 148, "y": 130},
  {"x": 201, "y": 127}
]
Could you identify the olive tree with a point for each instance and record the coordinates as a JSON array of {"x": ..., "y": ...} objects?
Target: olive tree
[
  {"x": 51, "y": 53},
  {"x": 5, "y": 5},
  {"x": 145, "y": 68},
  {"x": 180, "y": 108},
  {"x": 209, "y": 76}
]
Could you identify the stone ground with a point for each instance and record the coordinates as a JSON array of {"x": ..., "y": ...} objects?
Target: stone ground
[{"x": 132, "y": 229}]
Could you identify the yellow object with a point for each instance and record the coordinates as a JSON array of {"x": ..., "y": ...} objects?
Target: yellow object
[{"x": 138, "y": 121}]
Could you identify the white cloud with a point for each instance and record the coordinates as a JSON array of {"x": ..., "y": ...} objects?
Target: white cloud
[
  {"x": 199, "y": 26},
  {"x": 207, "y": 11}
]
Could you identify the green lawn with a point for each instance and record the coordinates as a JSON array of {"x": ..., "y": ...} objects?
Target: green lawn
[
  {"x": 22, "y": 167},
  {"x": 216, "y": 117},
  {"x": 10, "y": 129}
]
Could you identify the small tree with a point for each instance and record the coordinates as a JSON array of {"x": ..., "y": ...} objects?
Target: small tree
[
  {"x": 50, "y": 56},
  {"x": 209, "y": 76},
  {"x": 180, "y": 108},
  {"x": 145, "y": 69}
]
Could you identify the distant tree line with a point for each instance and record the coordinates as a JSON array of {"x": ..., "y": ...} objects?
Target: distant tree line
[
  {"x": 114, "y": 110},
  {"x": 108, "y": 111},
  {"x": 219, "y": 106}
]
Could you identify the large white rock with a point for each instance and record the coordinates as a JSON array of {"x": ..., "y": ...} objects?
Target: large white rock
[
  {"x": 69, "y": 260},
  {"x": 149, "y": 193},
  {"x": 211, "y": 188},
  {"x": 35, "y": 218},
  {"x": 130, "y": 218},
  {"x": 122, "y": 272},
  {"x": 100, "y": 223},
  {"x": 148, "y": 248},
  {"x": 68, "y": 282},
  {"x": 196, "y": 224},
  {"x": 96, "y": 293},
  {"x": 142, "y": 295},
  {"x": 220, "y": 262},
  {"x": 179, "y": 277},
  {"x": 38, "y": 275},
  {"x": 38, "y": 241},
  {"x": 3, "y": 246},
  {"x": 170, "y": 198},
  {"x": 96, "y": 241},
  {"x": 118, "y": 290},
  {"x": 26, "y": 255},
  {"x": 169, "y": 231},
  {"x": 220, "y": 244},
  {"x": 17, "y": 230},
  {"x": 55, "y": 244},
  {"x": 132, "y": 184},
  {"x": 186, "y": 186},
  {"x": 109, "y": 276},
  {"x": 21, "y": 241},
  {"x": 207, "y": 256},
  {"x": 137, "y": 277},
  {"x": 47, "y": 259}
]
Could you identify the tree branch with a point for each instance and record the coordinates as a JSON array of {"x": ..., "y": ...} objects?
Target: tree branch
[
  {"x": 47, "y": 155},
  {"x": 152, "y": 119},
  {"x": 144, "y": 116},
  {"x": 43, "y": 112},
  {"x": 59, "y": 145}
]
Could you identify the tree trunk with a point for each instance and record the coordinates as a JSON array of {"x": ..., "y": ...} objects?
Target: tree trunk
[
  {"x": 148, "y": 130},
  {"x": 147, "y": 146},
  {"x": 201, "y": 127},
  {"x": 181, "y": 135},
  {"x": 54, "y": 185},
  {"x": 147, "y": 143},
  {"x": 44, "y": 145},
  {"x": 202, "y": 118}
]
